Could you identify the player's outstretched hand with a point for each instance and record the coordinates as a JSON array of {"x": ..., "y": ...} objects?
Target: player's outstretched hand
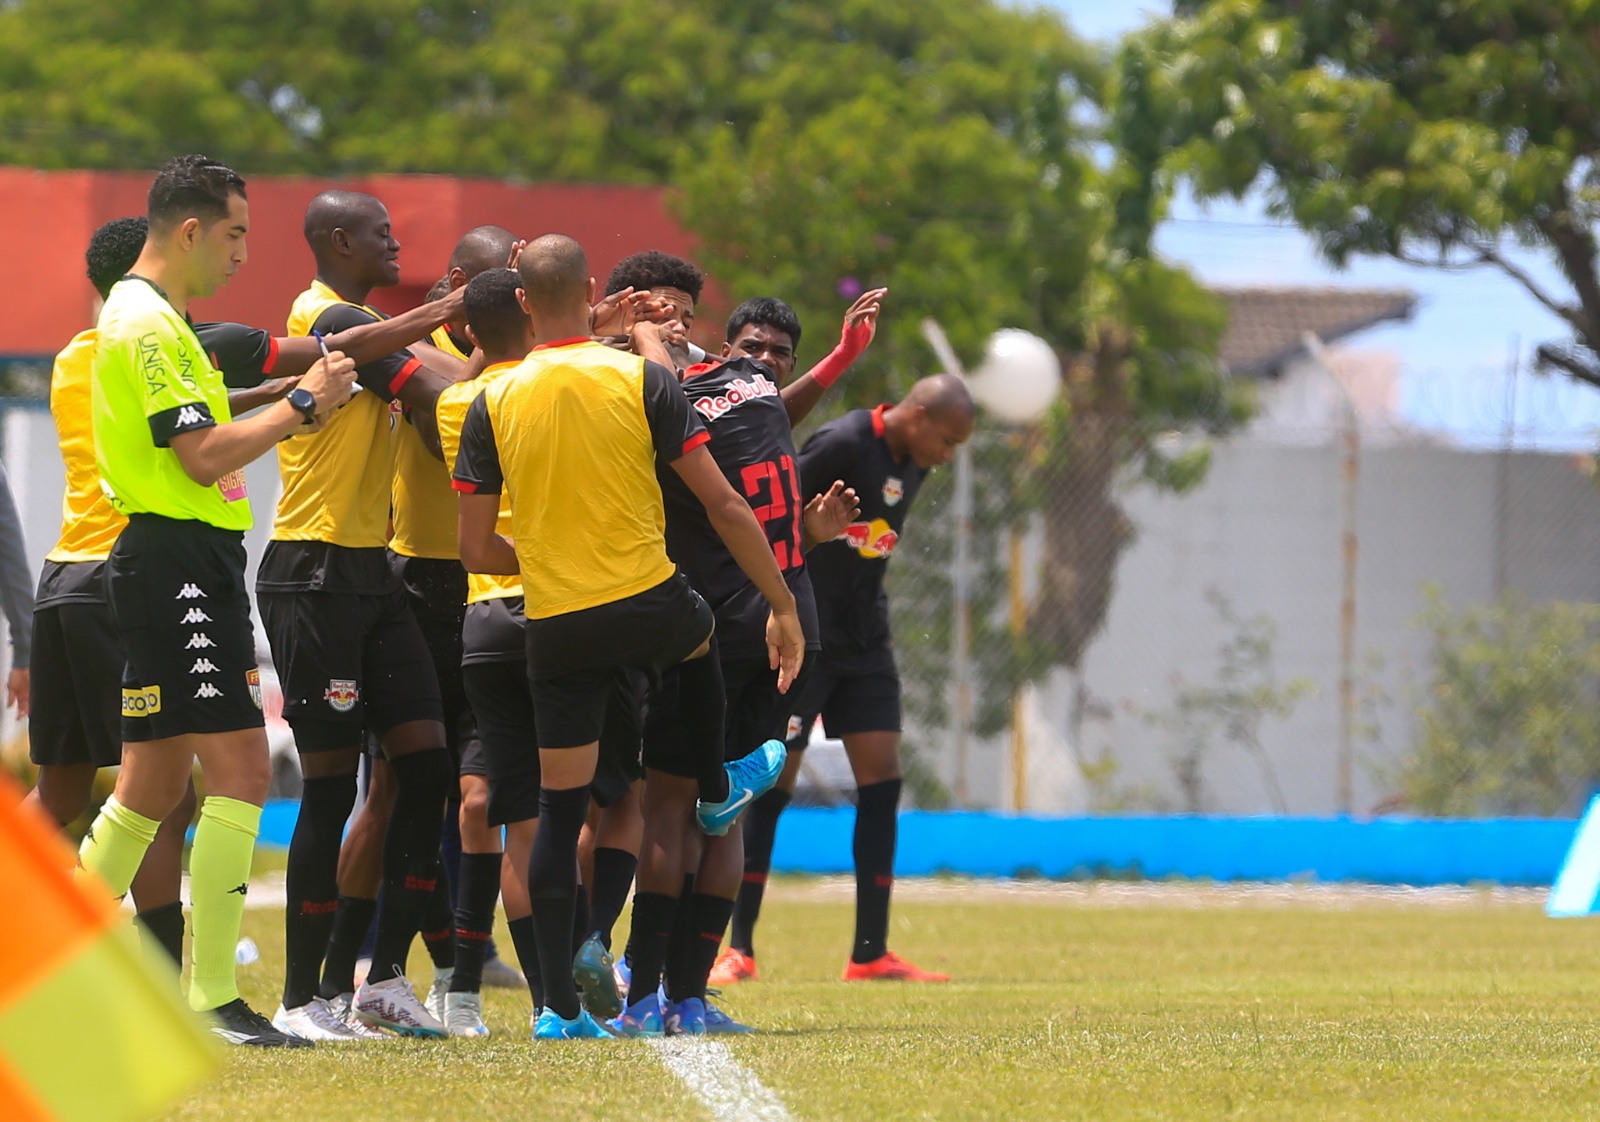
[
  {"x": 862, "y": 317},
  {"x": 516, "y": 253},
  {"x": 329, "y": 381},
  {"x": 786, "y": 647},
  {"x": 617, "y": 313},
  {"x": 827, "y": 514}
]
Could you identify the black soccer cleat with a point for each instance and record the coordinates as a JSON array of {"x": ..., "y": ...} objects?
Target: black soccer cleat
[{"x": 237, "y": 1023}]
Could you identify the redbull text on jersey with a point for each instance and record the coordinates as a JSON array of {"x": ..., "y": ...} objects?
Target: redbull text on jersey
[{"x": 738, "y": 392}]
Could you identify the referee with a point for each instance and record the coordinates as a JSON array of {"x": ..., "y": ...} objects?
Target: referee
[{"x": 173, "y": 460}]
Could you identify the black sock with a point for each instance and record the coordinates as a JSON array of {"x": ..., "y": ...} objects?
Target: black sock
[
  {"x": 528, "y": 957},
  {"x": 552, "y": 885},
  {"x": 312, "y": 883},
  {"x": 350, "y": 926},
  {"x": 580, "y": 917},
  {"x": 438, "y": 928},
  {"x": 613, "y": 876},
  {"x": 410, "y": 855},
  {"x": 681, "y": 941},
  {"x": 877, "y": 811},
  {"x": 653, "y": 913},
  {"x": 708, "y": 921},
  {"x": 163, "y": 927},
  {"x": 475, "y": 897},
  {"x": 702, "y": 705},
  {"x": 760, "y": 830}
]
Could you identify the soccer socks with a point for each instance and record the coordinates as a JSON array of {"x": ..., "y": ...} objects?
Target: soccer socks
[
  {"x": 760, "y": 831},
  {"x": 475, "y": 898},
  {"x": 613, "y": 876},
  {"x": 691, "y": 964},
  {"x": 528, "y": 957},
  {"x": 312, "y": 883},
  {"x": 410, "y": 855},
  {"x": 350, "y": 926},
  {"x": 877, "y": 809},
  {"x": 681, "y": 940},
  {"x": 219, "y": 877},
  {"x": 580, "y": 917},
  {"x": 438, "y": 921},
  {"x": 552, "y": 884},
  {"x": 163, "y": 927},
  {"x": 653, "y": 913},
  {"x": 702, "y": 706},
  {"x": 114, "y": 846}
]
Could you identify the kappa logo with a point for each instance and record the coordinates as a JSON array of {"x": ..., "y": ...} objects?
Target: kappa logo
[
  {"x": 189, "y": 415},
  {"x": 341, "y": 695},
  {"x": 190, "y": 592},
  {"x": 252, "y": 679},
  {"x": 893, "y": 491},
  {"x": 196, "y": 615},
  {"x": 204, "y": 666},
  {"x": 198, "y": 640},
  {"x": 141, "y": 702},
  {"x": 242, "y": 890},
  {"x": 207, "y": 691}
]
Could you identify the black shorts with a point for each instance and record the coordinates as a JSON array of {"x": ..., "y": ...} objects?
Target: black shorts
[
  {"x": 347, "y": 663},
  {"x": 438, "y": 591},
  {"x": 498, "y": 689},
  {"x": 756, "y": 712},
  {"x": 76, "y": 686},
  {"x": 178, "y": 596},
  {"x": 573, "y": 658},
  {"x": 861, "y": 695}
]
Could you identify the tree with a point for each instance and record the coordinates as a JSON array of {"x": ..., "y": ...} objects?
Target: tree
[{"x": 1436, "y": 132}]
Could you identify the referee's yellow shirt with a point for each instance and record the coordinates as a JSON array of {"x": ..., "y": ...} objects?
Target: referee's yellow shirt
[{"x": 424, "y": 505}]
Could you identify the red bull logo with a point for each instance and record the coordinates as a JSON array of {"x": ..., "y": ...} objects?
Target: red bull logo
[
  {"x": 738, "y": 392},
  {"x": 872, "y": 540},
  {"x": 341, "y": 695},
  {"x": 893, "y": 491}
]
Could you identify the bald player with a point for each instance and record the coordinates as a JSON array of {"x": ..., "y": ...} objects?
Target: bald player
[
  {"x": 883, "y": 454},
  {"x": 349, "y": 651},
  {"x": 572, "y": 438}
]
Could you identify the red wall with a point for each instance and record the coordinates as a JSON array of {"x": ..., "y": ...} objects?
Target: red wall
[{"x": 46, "y": 219}]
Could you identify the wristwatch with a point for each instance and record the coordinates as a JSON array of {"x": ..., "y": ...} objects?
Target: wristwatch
[{"x": 304, "y": 402}]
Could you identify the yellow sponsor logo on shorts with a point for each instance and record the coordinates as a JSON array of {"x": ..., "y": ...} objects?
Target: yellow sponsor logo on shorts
[{"x": 141, "y": 702}]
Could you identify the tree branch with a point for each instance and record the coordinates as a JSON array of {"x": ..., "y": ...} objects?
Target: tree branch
[
  {"x": 1587, "y": 373},
  {"x": 1573, "y": 315}
]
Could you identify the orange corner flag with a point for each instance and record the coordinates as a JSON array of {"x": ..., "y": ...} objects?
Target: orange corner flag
[{"x": 76, "y": 996}]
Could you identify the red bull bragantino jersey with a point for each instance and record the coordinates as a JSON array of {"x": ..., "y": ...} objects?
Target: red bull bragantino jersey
[
  {"x": 751, "y": 441},
  {"x": 847, "y": 573}
]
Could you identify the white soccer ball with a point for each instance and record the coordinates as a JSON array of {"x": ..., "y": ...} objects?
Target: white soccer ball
[{"x": 1019, "y": 377}]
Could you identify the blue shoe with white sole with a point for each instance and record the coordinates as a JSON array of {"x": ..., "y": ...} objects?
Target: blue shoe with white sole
[
  {"x": 748, "y": 779},
  {"x": 553, "y": 1026}
]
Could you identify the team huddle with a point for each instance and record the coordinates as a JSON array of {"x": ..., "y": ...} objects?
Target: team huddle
[{"x": 535, "y": 554}]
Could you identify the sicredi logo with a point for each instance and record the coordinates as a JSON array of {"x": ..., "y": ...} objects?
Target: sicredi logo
[{"x": 141, "y": 702}]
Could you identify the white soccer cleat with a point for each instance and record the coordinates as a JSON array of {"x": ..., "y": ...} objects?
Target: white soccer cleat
[
  {"x": 394, "y": 1005},
  {"x": 436, "y": 992},
  {"x": 343, "y": 1007},
  {"x": 463, "y": 1014},
  {"x": 315, "y": 1020}
]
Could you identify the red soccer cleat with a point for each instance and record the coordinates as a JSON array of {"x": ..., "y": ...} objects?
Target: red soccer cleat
[
  {"x": 733, "y": 966},
  {"x": 890, "y": 968}
]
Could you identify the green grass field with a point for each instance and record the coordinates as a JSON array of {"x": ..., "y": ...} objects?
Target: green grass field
[{"x": 1480, "y": 1011}]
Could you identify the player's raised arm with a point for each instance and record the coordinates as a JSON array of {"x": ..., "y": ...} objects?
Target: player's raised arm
[{"x": 801, "y": 396}]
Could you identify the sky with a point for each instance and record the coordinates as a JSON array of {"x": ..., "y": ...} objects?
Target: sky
[{"x": 1458, "y": 352}]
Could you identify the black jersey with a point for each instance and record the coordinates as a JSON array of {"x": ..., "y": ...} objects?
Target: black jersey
[
  {"x": 847, "y": 573},
  {"x": 752, "y": 443}
]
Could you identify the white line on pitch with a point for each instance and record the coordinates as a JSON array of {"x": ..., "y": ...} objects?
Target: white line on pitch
[{"x": 729, "y": 1090}]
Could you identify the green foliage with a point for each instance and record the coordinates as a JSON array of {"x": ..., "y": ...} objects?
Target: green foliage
[
  {"x": 1510, "y": 721},
  {"x": 1245, "y": 694},
  {"x": 1435, "y": 132}
]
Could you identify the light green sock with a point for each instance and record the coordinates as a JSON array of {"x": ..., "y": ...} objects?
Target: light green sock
[
  {"x": 115, "y": 844},
  {"x": 219, "y": 876}
]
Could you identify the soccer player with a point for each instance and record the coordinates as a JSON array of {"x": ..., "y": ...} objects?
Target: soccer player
[
  {"x": 73, "y": 727},
  {"x": 882, "y": 454},
  {"x": 738, "y": 400},
  {"x": 172, "y": 459},
  {"x": 572, "y": 438},
  {"x": 349, "y": 651}
]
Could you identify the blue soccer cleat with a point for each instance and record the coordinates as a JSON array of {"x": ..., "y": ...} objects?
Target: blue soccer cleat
[
  {"x": 553, "y": 1026},
  {"x": 687, "y": 1018},
  {"x": 642, "y": 1018},
  {"x": 719, "y": 1023},
  {"x": 593, "y": 972},
  {"x": 748, "y": 779}
]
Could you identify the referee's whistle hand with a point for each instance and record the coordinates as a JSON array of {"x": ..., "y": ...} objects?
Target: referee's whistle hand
[{"x": 329, "y": 381}]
